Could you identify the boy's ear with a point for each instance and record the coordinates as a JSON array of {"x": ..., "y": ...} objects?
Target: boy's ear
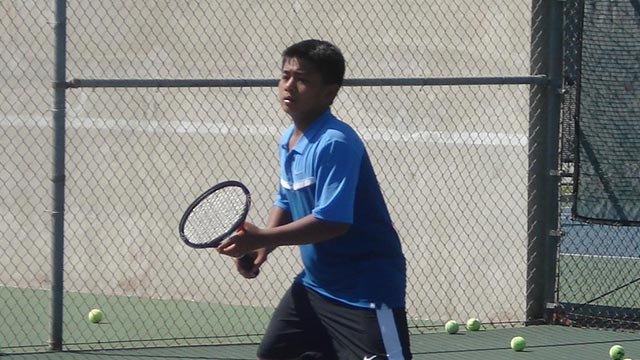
[{"x": 331, "y": 91}]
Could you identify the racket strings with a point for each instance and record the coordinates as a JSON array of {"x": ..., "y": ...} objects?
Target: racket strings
[{"x": 216, "y": 215}]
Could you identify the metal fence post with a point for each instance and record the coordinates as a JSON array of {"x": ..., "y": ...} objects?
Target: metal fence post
[
  {"x": 58, "y": 177},
  {"x": 543, "y": 204}
]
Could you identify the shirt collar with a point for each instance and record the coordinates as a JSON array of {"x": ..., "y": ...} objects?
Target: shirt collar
[{"x": 310, "y": 132}]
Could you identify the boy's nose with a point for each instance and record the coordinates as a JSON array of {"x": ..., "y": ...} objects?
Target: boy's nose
[{"x": 289, "y": 84}]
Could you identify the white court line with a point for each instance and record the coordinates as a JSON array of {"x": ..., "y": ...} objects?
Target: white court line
[
  {"x": 217, "y": 128},
  {"x": 601, "y": 256},
  {"x": 150, "y": 126},
  {"x": 439, "y": 137}
]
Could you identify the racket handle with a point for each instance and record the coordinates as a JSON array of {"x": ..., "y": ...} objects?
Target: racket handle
[
  {"x": 245, "y": 259},
  {"x": 246, "y": 262}
]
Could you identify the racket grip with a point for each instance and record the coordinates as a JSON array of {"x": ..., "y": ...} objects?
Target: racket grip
[
  {"x": 245, "y": 259},
  {"x": 246, "y": 262}
]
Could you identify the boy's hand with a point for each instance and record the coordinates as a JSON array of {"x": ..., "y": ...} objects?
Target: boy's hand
[
  {"x": 239, "y": 243},
  {"x": 245, "y": 248},
  {"x": 249, "y": 265}
]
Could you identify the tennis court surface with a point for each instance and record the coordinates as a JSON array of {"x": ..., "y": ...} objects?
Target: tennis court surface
[{"x": 543, "y": 342}]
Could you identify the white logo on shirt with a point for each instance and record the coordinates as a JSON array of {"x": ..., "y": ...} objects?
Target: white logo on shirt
[{"x": 298, "y": 184}]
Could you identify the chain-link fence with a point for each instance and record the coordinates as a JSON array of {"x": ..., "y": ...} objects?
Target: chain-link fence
[{"x": 454, "y": 161}]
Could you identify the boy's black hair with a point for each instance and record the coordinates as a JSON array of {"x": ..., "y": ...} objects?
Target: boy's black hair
[{"x": 322, "y": 55}]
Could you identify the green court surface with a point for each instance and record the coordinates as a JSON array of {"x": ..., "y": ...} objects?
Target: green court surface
[
  {"x": 129, "y": 321},
  {"x": 105, "y": 340},
  {"x": 543, "y": 343},
  {"x": 583, "y": 278}
]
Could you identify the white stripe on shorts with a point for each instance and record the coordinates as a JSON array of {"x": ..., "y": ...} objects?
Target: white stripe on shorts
[{"x": 389, "y": 331}]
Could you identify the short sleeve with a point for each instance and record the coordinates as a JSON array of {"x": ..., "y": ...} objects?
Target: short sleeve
[
  {"x": 338, "y": 169},
  {"x": 281, "y": 200}
]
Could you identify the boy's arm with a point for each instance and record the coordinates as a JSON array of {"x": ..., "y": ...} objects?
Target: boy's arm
[
  {"x": 306, "y": 230},
  {"x": 277, "y": 217}
]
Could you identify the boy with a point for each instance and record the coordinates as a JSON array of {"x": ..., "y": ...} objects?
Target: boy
[{"x": 349, "y": 300}]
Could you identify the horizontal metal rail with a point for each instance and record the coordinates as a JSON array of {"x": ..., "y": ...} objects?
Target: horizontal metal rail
[{"x": 435, "y": 81}]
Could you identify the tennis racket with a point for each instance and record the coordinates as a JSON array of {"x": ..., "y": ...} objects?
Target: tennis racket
[{"x": 215, "y": 215}]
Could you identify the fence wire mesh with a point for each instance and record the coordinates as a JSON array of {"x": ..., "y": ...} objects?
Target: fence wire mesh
[
  {"x": 25, "y": 94},
  {"x": 452, "y": 160}
]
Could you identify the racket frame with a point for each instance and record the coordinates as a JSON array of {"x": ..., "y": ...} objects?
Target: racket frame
[{"x": 234, "y": 228}]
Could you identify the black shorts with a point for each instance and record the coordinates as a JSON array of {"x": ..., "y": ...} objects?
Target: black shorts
[{"x": 308, "y": 325}]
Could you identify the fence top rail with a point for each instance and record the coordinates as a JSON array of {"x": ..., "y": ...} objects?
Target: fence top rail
[{"x": 428, "y": 81}]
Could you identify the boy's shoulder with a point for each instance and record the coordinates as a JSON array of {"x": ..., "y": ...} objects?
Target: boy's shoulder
[
  {"x": 341, "y": 133},
  {"x": 335, "y": 127}
]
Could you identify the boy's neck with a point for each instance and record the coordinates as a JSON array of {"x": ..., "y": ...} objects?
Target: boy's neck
[{"x": 303, "y": 121}]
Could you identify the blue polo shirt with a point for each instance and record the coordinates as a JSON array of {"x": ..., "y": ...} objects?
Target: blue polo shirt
[{"x": 328, "y": 174}]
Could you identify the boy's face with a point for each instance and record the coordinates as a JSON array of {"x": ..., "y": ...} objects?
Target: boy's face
[{"x": 302, "y": 92}]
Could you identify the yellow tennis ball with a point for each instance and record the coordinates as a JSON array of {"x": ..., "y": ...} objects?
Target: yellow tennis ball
[
  {"x": 518, "y": 343},
  {"x": 451, "y": 326},
  {"x": 95, "y": 316},
  {"x": 473, "y": 324},
  {"x": 616, "y": 352}
]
